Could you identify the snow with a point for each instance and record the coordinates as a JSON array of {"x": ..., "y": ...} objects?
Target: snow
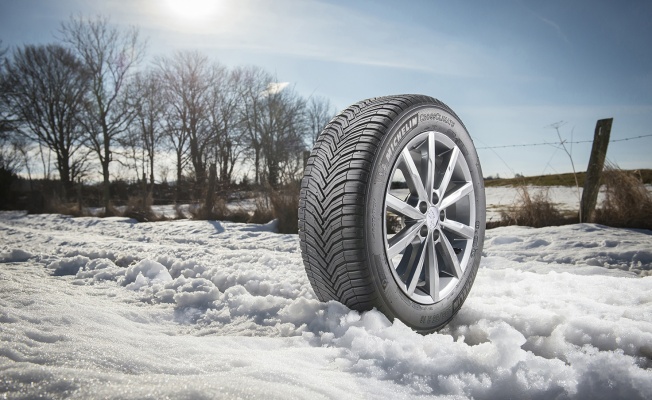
[{"x": 111, "y": 308}]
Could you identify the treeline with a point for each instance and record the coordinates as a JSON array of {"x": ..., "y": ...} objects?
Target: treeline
[{"x": 88, "y": 101}]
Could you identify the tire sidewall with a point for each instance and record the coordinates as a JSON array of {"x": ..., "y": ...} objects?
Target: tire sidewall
[{"x": 412, "y": 122}]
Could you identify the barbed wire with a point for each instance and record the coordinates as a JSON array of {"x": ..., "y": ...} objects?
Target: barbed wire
[{"x": 555, "y": 144}]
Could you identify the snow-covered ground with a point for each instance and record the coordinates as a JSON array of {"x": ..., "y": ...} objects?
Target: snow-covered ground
[{"x": 109, "y": 308}]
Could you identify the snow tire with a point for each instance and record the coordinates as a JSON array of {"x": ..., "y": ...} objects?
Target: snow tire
[{"x": 371, "y": 233}]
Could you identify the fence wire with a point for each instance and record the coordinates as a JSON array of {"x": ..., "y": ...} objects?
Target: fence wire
[{"x": 557, "y": 143}]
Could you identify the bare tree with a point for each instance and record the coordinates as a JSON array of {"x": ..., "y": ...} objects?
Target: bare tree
[
  {"x": 224, "y": 109},
  {"x": 10, "y": 143},
  {"x": 319, "y": 112},
  {"x": 177, "y": 139},
  {"x": 110, "y": 56},
  {"x": 187, "y": 78},
  {"x": 282, "y": 128},
  {"x": 46, "y": 86},
  {"x": 254, "y": 83},
  {"x": 13, "y": 150},
  {"x": 6, "y": 119},
  {"x": 146, "y": 133}
]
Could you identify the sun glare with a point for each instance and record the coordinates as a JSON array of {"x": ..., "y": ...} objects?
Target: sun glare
[{"x": 194, "y": 9}]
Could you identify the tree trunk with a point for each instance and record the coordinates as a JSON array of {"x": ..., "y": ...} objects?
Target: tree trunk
[
  {"x": 144, "y": 199},
  {"x": 210, "y": 193},
  {"x": 64, "y": 173},
  {"x": 257, "y": 165},
  {"x": 80, "y": 203},
  {"x": 177, "y": 192},
  {"x": 151, "y": 177},
  {"x": 106, "y": 189}
]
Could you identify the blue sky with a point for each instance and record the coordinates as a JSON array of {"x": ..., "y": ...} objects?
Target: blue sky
[{"x": 508, "y": 68}]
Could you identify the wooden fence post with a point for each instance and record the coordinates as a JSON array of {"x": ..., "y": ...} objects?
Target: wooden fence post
[{"x": 594, "y": 169}]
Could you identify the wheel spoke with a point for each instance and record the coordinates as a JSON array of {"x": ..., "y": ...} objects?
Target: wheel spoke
[
  {"x": 456, "y": 196},
  {"x": 402, "y": 239},
  {"x": 416, "y": 272},
  {"x": 413, "y": 176},
  {"x": 398, "y": 206},
  {"x": 450, "y": 257},
  {"x": 459, "y": 228},
  {"x": 433, "y": 272},
  {"x": 430, "y": 174},
  {"x": 452, "y": 161}
]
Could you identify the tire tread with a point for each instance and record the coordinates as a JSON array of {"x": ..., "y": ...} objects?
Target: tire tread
[{"x": 333, "y": 197}]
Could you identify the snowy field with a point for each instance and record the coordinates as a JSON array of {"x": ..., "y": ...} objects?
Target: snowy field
[
  {"x": 109, "y": 308},
  {"x": 498, "y": 199},
  {"x": 565, "y": 198}
]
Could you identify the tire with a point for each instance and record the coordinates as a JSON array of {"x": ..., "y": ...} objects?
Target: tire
[{"x": 371, "y": 235}]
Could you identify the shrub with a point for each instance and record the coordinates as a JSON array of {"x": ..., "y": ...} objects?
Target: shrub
[
  {"x": 219, "y": 211},
  {"x": 263, "y": 212},
  {"x": 282, "y": 205},
  {"x": 140, "y": 209},
  {"x": 532, "y": 210},
  {"x": 627, "y": 201},
  {"x": 285, "y": 204},
  {"x": 178, "y": 212}
]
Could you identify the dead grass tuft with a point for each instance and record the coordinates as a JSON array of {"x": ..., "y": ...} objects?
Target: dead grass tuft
[
  {"x": 140, "y": 209},
  {"x": 285, "y": 204},
  {"x": 627, "y": 203},
  {"x": 263, "y": 212},
  {"x": 534, "y": 210}
]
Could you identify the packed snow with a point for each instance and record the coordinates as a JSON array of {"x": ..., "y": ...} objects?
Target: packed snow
[{"x": 111, "y": 308}]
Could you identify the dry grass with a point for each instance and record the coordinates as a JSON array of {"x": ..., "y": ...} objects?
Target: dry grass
[
  {"x": 71, "y": 209},
  {"x": 282, "y": 205},
  {"x": 221, "y": 212},
  {"x": 178, "y": 212},
  {"x": 627, "y": 202},
  {"x": 285, "y": 204},
  {"x": 140, "y": 209},
  {"x": 534, "y": 210},
  {"x": 263, "y": 212}
]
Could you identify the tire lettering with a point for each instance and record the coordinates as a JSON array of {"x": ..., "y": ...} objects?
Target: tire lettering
[
  {"x": 438, "y": 117},
  {"x": 457, "y": 303},
  {"x": 405, "y": 128},
  {"x": 431, "y": 319},
  {"x": 381, "y": 271}
]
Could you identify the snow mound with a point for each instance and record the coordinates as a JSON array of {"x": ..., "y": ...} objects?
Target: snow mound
[
  {"x": 144, "y": 273},
  {"x": 100, "y": 269},
  {"x": 15, "y": 255},
  {"x": 68, "y": 265}
]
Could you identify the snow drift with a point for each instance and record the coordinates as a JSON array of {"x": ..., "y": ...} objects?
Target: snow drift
[{"x": 109, "y": 308}]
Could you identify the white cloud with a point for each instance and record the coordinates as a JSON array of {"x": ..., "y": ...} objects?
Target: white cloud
[{"x": 275, "y": 87}]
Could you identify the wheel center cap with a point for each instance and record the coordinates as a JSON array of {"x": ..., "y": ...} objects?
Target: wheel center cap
[{"x": 432, "y": 218}]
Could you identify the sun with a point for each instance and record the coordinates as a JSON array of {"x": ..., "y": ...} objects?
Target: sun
[{"x": 194, "y": 9}]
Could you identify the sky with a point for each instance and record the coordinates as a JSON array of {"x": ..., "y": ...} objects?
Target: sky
[{"x": 509, "y": 69}]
